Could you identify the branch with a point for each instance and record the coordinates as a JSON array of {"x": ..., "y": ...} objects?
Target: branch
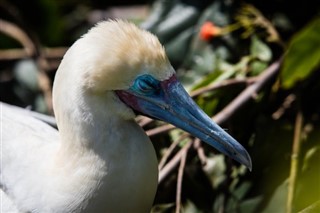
[
  {"x": 18, "y": 34},
  {"x": 33, "y": 48},
  {"x": 143, "y": 121},
  {"x": 294, "y": 161},
  {"x": 174, "y": 162},
  {"x": 48, "y": 53},
  {"x": 200, "y": 151},
  {"x": 170, "y": 150},
  {"x": 228, "y": 82},
  {"x": 248, "y": 93},
  {"x": 179, "y": 181},
  {"x": 160, "y": 129}
]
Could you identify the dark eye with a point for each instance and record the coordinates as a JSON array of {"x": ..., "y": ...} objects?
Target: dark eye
[{"x": 146, "y": 84}]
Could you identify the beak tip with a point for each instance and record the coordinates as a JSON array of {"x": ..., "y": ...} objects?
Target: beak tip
[
  {"x": 247, "y": 161},
  {"x": 249, "y": 165}
]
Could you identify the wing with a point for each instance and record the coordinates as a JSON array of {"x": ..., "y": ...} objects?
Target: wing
[
  {"x": 26, "y": 145},
  {"x": 7, "y": 205}
]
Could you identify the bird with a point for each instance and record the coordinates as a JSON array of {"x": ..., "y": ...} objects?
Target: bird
[{"x": 100, "y": 159}]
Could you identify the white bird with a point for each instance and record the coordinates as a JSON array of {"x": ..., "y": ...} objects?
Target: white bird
[{"x": 101, "y": 160}]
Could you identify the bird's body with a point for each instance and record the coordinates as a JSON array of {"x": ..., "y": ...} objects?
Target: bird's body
[
  {"x": 67, "y": 179},
  {"x": 101, "y": 160}
]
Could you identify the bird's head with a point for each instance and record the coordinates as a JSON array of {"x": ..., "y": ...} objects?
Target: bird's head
[{"x": 118, "y": 56}]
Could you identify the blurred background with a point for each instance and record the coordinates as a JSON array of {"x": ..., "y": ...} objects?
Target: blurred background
[{"x": 254, "y": 66}]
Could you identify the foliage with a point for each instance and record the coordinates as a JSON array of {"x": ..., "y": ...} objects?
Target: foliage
[{"x": 303, "y": 55}]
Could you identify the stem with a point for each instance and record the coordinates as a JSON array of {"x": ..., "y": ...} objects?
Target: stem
[
  {"x": 230, "y": 28},
  {"x": 179, "y": 181},
  {"x": 248, "y": 93},
  {"x": 170, "y": 150},
  {"x": 173, "y": 162},
  {"x": 294, "y": 161}
]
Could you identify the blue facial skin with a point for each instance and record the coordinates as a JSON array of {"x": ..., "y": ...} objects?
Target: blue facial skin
[{"x": 168, "y": 101}]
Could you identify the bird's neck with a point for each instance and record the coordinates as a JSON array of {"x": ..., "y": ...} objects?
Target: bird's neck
[
  {"x": 94, "y": 123},
  {"x": 102, "y": 147}
]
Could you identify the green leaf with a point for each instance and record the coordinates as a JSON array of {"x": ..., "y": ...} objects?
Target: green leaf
[
  {"x": 315, "y": 207},
  {"x": 257, "y": 67},
  {"x": 260, "y": 50},
  {"x": 242, "y": 190},
  {"x": 250, "y": 205},
  {"x": 303, "y": 55},
  {"x": 277, "y": 202}
]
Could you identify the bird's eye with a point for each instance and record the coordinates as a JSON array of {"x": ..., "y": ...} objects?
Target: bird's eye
[{"x": 146, "y": 84}]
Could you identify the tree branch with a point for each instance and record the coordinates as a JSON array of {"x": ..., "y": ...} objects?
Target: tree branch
[
  {"x": 228, "y": 82},
  {"x": 179, "y": 180},
  {"x": 294, "y": 162},
  {"x": 247, "y": 94},
  {"x": 174, "y": 162}
]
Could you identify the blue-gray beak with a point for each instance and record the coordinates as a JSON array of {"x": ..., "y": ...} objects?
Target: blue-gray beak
[{"x": 168, "y": 101}]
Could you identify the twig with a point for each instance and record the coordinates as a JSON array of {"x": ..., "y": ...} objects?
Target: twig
[
  {"x": 222, "y": 84},
  {"x": 15, "y": 32},
  {"x": 14, "y": 54},
  {"x": 33, "y": 48},
  {"x": 179, "y": 181},
  {"x": 170, "y": 150},
  {"x": 48, "y": 53},
  {"x": 247, "y": 94},
  {"x": 55, "y": 52},
  {"x": 173, "y": 162},
  {"x": 160, "y": 129},
  {"x": 200, "y": 151},
  {"x": 143, "y": 121},
  {"x": 285, "y": 105},
  {"x": 250, "y": 18},
  {"x": 294, "y": 161}
]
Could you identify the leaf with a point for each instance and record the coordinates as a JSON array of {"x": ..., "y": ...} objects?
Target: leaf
[
  {"x": 257, "y": 67},
  {"x": 303, "y": 55},
  {"x": 315, "y": 207},
  {"x": 250, "y": 205},
  {"x": 260, "y": 50},
  {"x": 277, "y": 202},
  {"x": 242, "y": 190}
]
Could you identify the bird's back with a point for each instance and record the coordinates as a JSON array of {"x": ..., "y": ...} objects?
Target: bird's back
[
  {"x": 18, "y": 123},
  {"x": 26, "y": 144}
]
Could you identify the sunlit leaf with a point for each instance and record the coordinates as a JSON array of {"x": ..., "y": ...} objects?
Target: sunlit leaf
[
  {"x": 257, "y": 67},
  {"x": 189, "y": 207},
  {"x": 315, "y": 207},
  {"x": 260, "y": 50},
  {"x": 303, "y": 55},
  {"x": 162, "y": 207}
]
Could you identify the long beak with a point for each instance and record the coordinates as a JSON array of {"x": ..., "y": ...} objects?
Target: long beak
[{"x": 171, "y": 103}]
